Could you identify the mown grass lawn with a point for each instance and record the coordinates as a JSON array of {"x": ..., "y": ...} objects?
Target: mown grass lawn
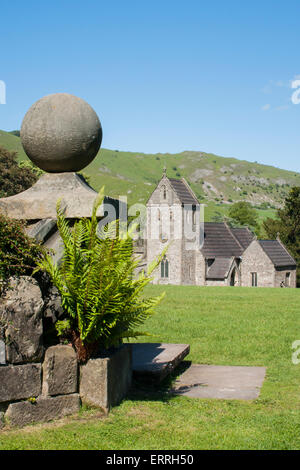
[{"x": 226, "y": 326}]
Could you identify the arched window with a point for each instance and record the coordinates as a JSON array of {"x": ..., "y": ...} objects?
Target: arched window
[
  {"x": 194, "y": 215},
  {"x": 164, "y": 268},
  {"x": 164, "y": 192}
]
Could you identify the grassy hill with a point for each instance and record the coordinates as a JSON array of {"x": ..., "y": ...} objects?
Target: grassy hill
[{"x": 217, "y": 181}]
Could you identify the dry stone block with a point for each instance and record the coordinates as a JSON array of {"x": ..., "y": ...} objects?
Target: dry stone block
[
  {"x": 53, "y": 308},
  {"x": 104, "y": 381},
  {"x": 44, "y": 409},
  {"x": 21, "y": 312},
  {"x": 18, "y": 382},
  {"x": 60, "y": 371}
]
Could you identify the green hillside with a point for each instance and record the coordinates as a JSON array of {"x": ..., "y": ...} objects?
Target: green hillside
[
  {"x": 12, "y": 143},
  {"x": 217, "y": 181}
]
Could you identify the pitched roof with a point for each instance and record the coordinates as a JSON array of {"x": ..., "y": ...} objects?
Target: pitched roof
[
  {"x": 219, "y": 241},
  {"x": 279, "y": 256},
  {"x": 184, "y": 193},
  {"x": 219, "y": 269},
  {"x": 243, "y": 235}
]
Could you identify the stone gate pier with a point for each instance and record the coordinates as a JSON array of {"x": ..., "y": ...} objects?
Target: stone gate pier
[{"x": 39, "y": 381}]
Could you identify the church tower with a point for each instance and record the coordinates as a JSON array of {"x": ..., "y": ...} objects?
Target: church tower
[{"x": 173, "y": 220}]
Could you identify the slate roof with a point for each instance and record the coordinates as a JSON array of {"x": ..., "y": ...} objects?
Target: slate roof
[
  {"x": 243, "y": 235},
  {"x": 183, "y": 192},
  {"x": 219, "y": 241},
  {"x": 279, "y": 256},
  {"x": 219, "y": 268}
]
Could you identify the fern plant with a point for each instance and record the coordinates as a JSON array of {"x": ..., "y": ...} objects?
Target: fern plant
[{"x": 96, "y": 279}]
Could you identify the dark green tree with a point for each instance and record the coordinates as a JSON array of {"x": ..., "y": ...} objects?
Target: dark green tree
[
  {"x": 13, "y": 179},
  {"x": 243, "y": 214},
  {"x": 287, "y": 225}
]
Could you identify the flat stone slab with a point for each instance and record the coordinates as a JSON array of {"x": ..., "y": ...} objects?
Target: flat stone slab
[
  {"x": 223, "y": 382},
  {"x": 44, "y": 409},
  {"x": 20, "y": 382},
  {"x": 155, "y": 361}
]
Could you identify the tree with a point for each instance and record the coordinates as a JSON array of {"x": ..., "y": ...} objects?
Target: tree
[
  {"x": 242, "y": 213},
  {"x": 13, "y": 179},
  {"x": 287, "y": 225}
]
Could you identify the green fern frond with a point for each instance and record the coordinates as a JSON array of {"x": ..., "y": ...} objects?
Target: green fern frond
[{"x": 100, "y": 293}]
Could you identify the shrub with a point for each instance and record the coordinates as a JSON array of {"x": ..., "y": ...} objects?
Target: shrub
[
  {"x": 19, "y": 254},
  {"x": 13, "y": 179},
  {"x": 100, "y": 295},
  {"x": 27, "y": 164}
]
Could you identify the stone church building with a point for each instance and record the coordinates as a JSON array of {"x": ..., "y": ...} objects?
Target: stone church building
[{"x": 208, "y": 253}]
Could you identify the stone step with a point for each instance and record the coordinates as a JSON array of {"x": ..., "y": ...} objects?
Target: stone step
[
  {"x": 220, "y": 382},
  {"x": 155, "y": 361}
]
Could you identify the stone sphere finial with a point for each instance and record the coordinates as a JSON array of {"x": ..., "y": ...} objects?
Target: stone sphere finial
[{"x": 61, "y": 133}]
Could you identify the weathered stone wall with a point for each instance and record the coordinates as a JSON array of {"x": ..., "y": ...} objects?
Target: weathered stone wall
[
  {"x": 36, "y": 384},
  {"x": 39, "y": 383},
  {"x": 281, "y": 277},
  {"x": 216, "y": 282},
  {"x": 254, "y": 259},
  {"x": 174, "y": 257},
  {"x": 191, "y": 255},
  {"x": 164, "y": 223},
  {"x": 188, "y": 268},
  {"x": 199, "y": 269}
]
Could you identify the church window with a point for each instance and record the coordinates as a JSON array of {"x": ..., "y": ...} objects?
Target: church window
[
  {"x": 254, "y": 279},
  {"x": 164, "y": 268},
  {"x": 194, "y": 215},
  {"x": 287, "y": 279}
]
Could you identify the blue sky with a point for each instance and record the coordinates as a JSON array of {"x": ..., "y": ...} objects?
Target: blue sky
[{"x": 163, "y": 76}]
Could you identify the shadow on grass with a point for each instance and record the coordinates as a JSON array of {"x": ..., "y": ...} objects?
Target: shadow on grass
[{"x": 145, "y": 388}]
